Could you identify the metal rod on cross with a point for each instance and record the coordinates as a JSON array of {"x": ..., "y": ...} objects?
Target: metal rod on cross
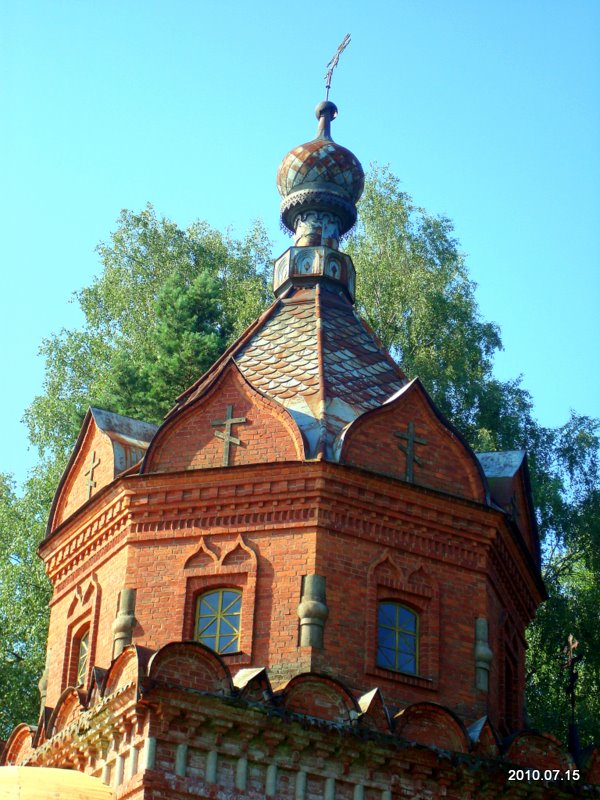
[
  {"x": 334, "y": 62},
  {"x": 571, "y": 659}
]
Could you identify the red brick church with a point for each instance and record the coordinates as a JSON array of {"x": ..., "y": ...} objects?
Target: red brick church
[{"x": 304, "y": 584}]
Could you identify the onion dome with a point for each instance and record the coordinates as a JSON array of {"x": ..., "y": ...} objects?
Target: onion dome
[{"x": 320, "y": 176}]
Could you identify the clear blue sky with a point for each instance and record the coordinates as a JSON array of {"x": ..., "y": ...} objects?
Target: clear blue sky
[{"x": 489, "y": 112}]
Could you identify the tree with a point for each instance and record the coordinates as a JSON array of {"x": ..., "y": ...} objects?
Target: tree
[
  {"x": 24, "y": 596},
  {"x": 189, "y": 332},
  {"x": 414, "y": 291},
  {"x": 144, "y": 257},
  {"x": 567, "y": 497}
]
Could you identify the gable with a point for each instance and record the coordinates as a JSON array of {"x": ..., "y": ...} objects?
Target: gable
[
  {"x": 522, "y": 513},
  {"x": 108, "y": 444},
  {"x": 407, "y": 438},
  {"x": 91, "y": 468},
  {"x": 507, "y": 474},
  {"x": 230, "y": 424}
]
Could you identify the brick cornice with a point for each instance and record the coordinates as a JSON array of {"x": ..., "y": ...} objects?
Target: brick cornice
[
  {"x": 76, "y": 544},
  {"x": 350, "y": 754},
  {"x": 282, "y": 496},
  {"x": 510, "y": 582}
]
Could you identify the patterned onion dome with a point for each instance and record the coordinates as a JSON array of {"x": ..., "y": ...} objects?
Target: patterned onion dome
[{"x": 320, "y": 176}]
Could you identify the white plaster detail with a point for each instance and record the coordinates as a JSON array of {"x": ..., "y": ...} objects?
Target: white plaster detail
[
  {"x": 133, "y": 761},
  {"x": 150, "y": 752},
  {"x": 300, "y": 792},
  {"x": 241, "y": 774},
  {"x": 120, "y": 768},
  {"x": 329, "y": 793},
  {"x": 271, "y": 782},
  {"x": 181, "y": 759},
  {"x": 211, "y": 766}
]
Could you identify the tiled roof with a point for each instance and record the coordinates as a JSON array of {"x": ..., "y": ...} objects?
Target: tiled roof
[
  {"x": 356, "y": 369},
  {"x": 315, "y": 356},
  {"x": 281, "y": 358},
  {"x": 312, "y": 353}
]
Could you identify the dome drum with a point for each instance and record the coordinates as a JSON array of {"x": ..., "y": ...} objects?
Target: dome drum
[
  {"x": 301, "y": 265},
  {"x": 324, "y": 199}
]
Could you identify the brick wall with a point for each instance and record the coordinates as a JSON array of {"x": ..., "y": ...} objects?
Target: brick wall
[
  {"x": 87, "y": 600},
  {"x": 189, "y": 440},
  {"x": 442, "y": 462},
  {"x": 76, "y": 491},
  {"x": 260, "y": 528}
]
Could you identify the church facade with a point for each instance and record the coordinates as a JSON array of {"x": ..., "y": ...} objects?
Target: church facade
[{"x": 304, "y": 584}]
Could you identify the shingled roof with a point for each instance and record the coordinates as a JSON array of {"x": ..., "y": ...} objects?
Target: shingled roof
[{"x": 313, "y": 354}]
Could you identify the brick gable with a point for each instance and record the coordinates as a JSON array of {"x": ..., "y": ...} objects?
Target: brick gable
[
  {"x": 189, "y": 440},
  {"x": 437, "y": 457}
]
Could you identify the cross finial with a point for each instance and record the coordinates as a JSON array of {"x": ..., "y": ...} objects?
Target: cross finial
[
  {"x": 409, "y": 450},
  {"x": 226, "y": 435},
  {"x": 570, "y": 662},
  {"x": 91, "y": 484},
  {"x": 334, "y": 62}
]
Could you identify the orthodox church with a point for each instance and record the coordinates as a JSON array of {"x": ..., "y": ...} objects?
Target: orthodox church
[{"x": 304, "y": 584}]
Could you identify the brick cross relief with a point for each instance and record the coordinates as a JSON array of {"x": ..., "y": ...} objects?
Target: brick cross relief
[
  {"x": 226, "y": 435},
  {"x": 91, "y": 484},
  {"x": 409, "y": 450}
]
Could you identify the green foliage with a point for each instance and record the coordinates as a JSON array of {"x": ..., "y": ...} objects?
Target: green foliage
[
  {"x": 24, "y": 596},
  {"x": 566, "y": 490},
  {"x": 188, "y": 334},
  {"x": 572, "y": 607},
  {"x": 131, "y": 312},
  {"x": 164, "y": 307},
  {"x": 414, "y": 291}
]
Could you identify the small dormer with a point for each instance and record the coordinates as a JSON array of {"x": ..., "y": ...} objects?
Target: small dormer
[
  {"x": 507, "y": 474},
  {"x": 108, "y": 445}
]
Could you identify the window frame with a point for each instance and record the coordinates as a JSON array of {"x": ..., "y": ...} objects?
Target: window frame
[
  {"x": 206, "y": 570},
  {"x": 220, "y": 617},
  {"x": 77, "y": 631},
  {"x": 82, "y": 614},
  {"x": 414, "y": 586},
  {"x": 397, "y": 629},
  {"x": 81, "y": 669}
]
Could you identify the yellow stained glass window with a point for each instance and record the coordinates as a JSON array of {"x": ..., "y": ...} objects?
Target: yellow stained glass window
[
  {"x": 82, "y": 657},
  {"x": 397, "y": 638},
  {"x": 218, "y": 617}
]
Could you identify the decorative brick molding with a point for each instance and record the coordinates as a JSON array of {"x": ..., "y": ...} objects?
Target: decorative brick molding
[
  {"x": 410, "y": 585},
  {"x": 236, "y": 567},
  {"x": 176, "y": 725}
]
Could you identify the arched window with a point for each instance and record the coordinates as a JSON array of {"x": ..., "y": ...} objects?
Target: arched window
[
  {"x": 82, "y": 657},
  {"x": 218, "y": 616},
  {"x": 397, "y": 638}
]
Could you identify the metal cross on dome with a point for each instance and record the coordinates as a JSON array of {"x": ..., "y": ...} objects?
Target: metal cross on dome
[
  {"x": 334, "y": 62},
  {"x": 409, "y": 450},
  {"x": 90, "y": 471},
  {"x": 226, "y": 435}
]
